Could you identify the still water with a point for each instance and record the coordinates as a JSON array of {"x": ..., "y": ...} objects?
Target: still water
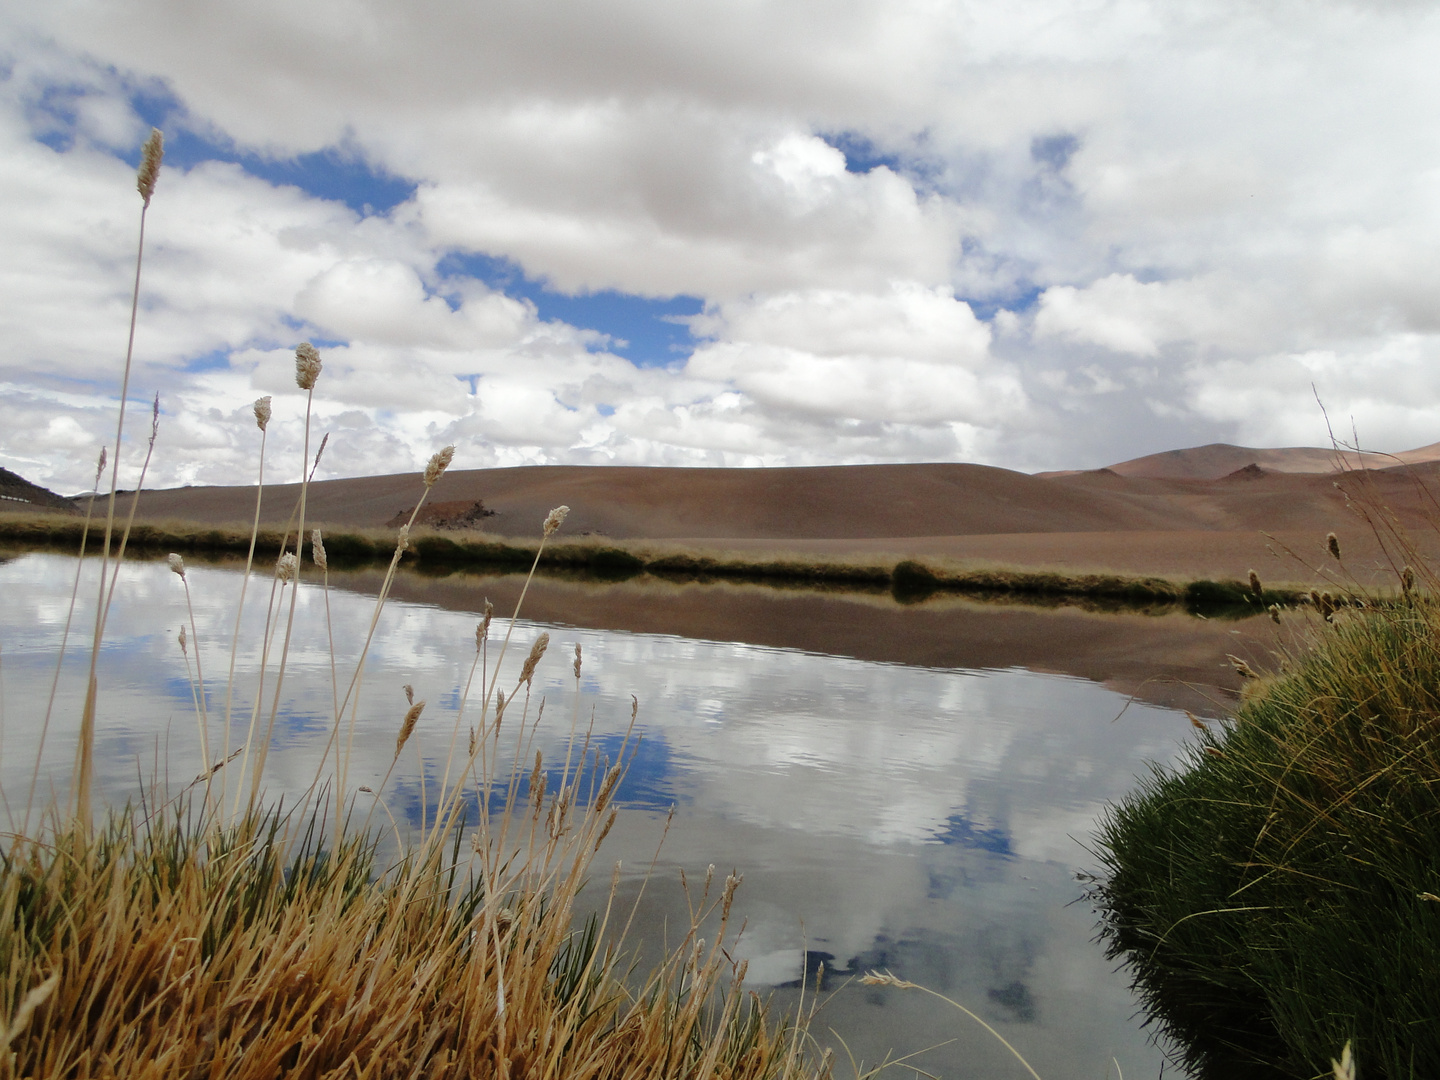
[{"x": 927, "y": 821}]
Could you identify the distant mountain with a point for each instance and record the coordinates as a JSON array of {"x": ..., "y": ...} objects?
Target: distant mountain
[
  {"x": 17, "y": 493},
  {"x": 1216, "y": 460}
]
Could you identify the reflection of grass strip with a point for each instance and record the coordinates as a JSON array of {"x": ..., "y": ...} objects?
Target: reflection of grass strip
[{"x": 909, "y": 579}]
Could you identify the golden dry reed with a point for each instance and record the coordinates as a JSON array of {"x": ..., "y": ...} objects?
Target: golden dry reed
[{"x": 197, "y": 936}]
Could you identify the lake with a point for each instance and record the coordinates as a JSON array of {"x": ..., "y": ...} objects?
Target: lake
[{"x": 890, "y": 807}]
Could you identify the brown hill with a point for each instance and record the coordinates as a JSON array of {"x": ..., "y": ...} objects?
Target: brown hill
[
  {"x": 856, "y": 502},
  {"x": 834, "y": 502},
  {"x": 1215, "y": 460},
  {"x": 17, "y": 493},
  {"x": 1087, "y": 520}
]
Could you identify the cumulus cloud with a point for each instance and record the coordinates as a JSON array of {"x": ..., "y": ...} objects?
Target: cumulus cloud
[
  {"x": 910, "y": 356},
  {"x": 1040, "y": 234}
]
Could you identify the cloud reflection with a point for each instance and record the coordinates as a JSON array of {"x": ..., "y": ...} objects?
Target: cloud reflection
[{"x": 923, "y": 820}]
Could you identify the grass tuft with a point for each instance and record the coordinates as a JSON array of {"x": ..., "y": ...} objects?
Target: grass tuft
[
  {"x": 173, "y": 947},
  {"x": 1272, "y": 894}
]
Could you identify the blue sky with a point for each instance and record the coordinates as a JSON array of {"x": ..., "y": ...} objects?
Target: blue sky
[
  {"x": 1041, "y": 236},
  {"x": 648, "y": 331}
]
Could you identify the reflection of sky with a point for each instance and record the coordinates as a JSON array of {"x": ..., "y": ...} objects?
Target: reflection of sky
[{"x": 928, "y": 821}]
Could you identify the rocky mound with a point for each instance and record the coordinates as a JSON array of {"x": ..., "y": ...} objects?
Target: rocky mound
[{"x": 456, "y": 514}]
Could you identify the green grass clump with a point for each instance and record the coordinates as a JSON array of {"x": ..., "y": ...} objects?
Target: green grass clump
[{"x": 1278, "y": 894}]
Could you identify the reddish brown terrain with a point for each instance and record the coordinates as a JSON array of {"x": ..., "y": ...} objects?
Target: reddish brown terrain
[
  {"x": 1213, "y": 511},
  {"x": 1165, "y": 514}
]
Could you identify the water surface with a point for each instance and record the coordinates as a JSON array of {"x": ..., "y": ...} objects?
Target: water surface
[{"x": 925, "y": 820}]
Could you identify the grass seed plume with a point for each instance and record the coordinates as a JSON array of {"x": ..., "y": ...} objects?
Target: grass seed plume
[{"x": 191, "y": 933}]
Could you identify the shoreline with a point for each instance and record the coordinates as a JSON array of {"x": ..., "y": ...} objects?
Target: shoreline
[{"x": 909, "y": 578}]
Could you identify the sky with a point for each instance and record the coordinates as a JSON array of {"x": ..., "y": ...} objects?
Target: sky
[{"x": 1035, "y": 234}]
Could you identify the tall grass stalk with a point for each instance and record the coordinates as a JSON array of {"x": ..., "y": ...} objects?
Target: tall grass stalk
[
  {"x": 24, "y": 828},
  {"x": 150, "y": 157},
  {"x": 307, "y": 369},
  {"x": 262, "y": 409},
  {"x": 177, "y": 565},
  {"x": 183, "y": 939}
]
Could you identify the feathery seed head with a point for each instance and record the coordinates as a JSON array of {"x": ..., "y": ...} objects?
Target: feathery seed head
[
  {"x": 1255, "y": 584},
  {"x": 407, "y": 726},
  {"x": 183, "y": 650},
  {"x": 732, "y": 882},
  {"x": 307, "y": 366},
  {"x": 1275, "y": 614},
  {"x": 1344, "y": 1069},
  {"x": 482, "y": 628},
  {"x": 317, "y": 550},
  {"x": 177, "y": 564},
  {"x": 1244, "y": 670},
  {"x": 151, "y": 154},
  {"x": 577, "y": 660},
  {"x": 409, "y": 694},
  {"x": 100, "y": 468},
  {"x": 1332, "y": 542},
  {"x": 876, "y": 978},
  {"x": 612, "y": 778},
  {"x": 402, "y": 543},
  {"x": 527, "y": 672},
  {"x": 262, "y": 412},
  {"x": 609, "y": 824},
  {"x": 1407, "y": 579},
  {"x": 285, "y": 567},
  {"x": 439, "y": 462},
  {"x": 555, "y": 519}
]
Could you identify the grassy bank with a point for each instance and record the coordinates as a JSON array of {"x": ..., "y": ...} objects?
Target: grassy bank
[
  {"x": 169, "y": 947},
  {"x": 909, "y": 579},
  {"x": 1278, "y": 893}
]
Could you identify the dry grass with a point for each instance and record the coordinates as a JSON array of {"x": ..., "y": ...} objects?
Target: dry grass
[
  {"x": 210, "y": 934},
  {"x": 163, "y": 947}
]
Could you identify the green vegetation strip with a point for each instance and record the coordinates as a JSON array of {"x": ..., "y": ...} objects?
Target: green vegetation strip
[
  {"x": 1278, "y": 893},
  {"x": 909, "y": 579}
]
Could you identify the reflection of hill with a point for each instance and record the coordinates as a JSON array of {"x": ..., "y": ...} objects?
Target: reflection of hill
[{"x": 1173, "y": 659}]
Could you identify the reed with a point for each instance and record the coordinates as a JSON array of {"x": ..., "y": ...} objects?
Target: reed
[{"x": 191, "y": 935}]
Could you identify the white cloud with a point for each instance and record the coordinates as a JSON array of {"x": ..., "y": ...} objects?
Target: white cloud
[
  {"x": 1172, "y": 198},
  {"x": 909, "y": 356},
  {"x": 1385, "y": 394},
  {"x": 1139, "y": 318}
]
